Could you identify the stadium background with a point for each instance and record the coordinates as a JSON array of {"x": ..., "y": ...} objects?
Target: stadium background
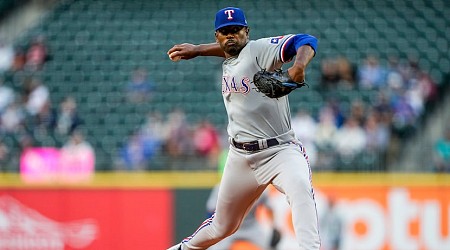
[{"x": 95, "y": 45}]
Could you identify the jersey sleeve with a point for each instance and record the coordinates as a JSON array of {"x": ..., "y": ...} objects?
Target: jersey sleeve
[{"x": 272, "y": 52}]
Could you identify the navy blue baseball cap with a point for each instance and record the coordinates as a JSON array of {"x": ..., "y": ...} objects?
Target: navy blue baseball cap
[{"x": 230, "y": 16}]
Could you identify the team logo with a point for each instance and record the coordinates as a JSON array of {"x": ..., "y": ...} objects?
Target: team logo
[
  {"x": 229, "y": 13},
  {"x": 22, "y": 228},
  {"x": 275, "y": 40},
  {"x": 234, "y": 85}
]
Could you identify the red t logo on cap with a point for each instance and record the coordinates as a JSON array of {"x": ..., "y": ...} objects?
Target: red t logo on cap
[{"x": 229, "y": 12}]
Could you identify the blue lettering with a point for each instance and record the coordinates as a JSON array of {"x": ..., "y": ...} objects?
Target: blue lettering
[
  {"x": 233, "y": 85},
  {"x": 230, "y": 85},
  {"x": 225, "y": 87},
  {"x": 245, "y": 85}
]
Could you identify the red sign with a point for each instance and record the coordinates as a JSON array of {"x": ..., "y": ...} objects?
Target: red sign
[{"x": 85, "y": 219}]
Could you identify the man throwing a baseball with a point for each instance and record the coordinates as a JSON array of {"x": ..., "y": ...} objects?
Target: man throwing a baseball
[{"x": 263, "y": 148}]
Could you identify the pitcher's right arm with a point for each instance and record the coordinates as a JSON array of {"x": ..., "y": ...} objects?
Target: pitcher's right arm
[{"x": 188, "y": 51}]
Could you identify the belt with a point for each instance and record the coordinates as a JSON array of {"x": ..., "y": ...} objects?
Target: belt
[{"x": 255, "y": 145}]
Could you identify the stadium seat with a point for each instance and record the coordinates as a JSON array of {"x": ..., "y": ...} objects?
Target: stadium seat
[{"x": 95, "y": 45}]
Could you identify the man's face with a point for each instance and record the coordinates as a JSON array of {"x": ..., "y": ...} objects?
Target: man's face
[{"x": 232, "y": 39}]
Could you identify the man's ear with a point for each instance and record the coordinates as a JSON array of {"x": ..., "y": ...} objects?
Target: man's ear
[{"x": 215, "y": 35}]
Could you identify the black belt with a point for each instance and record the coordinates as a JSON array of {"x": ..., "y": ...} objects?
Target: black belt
[{"x": 255, "y": 145}]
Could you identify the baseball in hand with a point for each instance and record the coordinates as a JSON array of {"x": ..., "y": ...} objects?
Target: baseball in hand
[{"x": 174, "y": 58}]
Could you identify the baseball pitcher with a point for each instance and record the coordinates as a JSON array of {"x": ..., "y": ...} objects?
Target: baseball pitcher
[{"x": 263, "y": 148}]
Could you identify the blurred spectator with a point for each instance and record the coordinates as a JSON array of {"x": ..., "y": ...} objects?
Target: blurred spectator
[
  {"x": 378, "y": 141},
  {"x": 358, "y": 111},
  {"x": 154, "y": 127},
  {"x": 337, "y": 73},
  {"x": 371, "y": 74},
  {"x": 414, "y": 95},
  {"x": 378, "y": 137},
  {"x": 67, "y": 118},
  {"x": 329, "y": 74},
  {"x": 44, "y": 122},
  {"x": 394, "y": 77},
  {"x": 326, "y": 128},
  {"x": 4, "y": 156},
  {"x": 26, "y": 141},
  {"x": 37, "y": 54},
  {"x": 346, "y": 72},
  {"x": 383, "y": 107},
  {"x": 20, "y": 59},
  {"x": 323, "y": 138},
  {"x": 78, "y": 157},
  {"x": 207, "y": 142},
  {"x": 350, "y": 139},
  {"x": 305, "y": 127},
  {"x": 403, "y": 118},
  {"x": 153, "y": 136},
  {"x": 143, "y": 144},
  {"x": 335, "y": 107},
  {"x": 6, "y": 57},
  {"x": 179, "y": 141},
  {"x": 409, "y": 70},
  {"x": 428, "y": 88},
  {"x": 420, "y": 87},
  {"x": 36, "y": 95},
  {"x": 7, "y": 96},
  {"x": 12, "y": 118},
  {"x": 139, "y": 89},
  {"x": 132, "y": 154},
  {"x": 441, "y": 152}
]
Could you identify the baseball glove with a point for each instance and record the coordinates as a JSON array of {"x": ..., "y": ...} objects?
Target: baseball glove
[{"x": 275, "y": 84}]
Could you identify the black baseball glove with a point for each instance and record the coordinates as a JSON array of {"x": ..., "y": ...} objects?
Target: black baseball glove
[{"x": 275, "y": 84}]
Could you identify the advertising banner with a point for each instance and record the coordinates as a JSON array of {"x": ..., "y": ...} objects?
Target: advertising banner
[
  {"x": 121, "y": 211},
  {"x": 52, "y": 219},
  {"x": 48, "y": 164},
  {"x": 374, "y": 217},
  {"x": 392, "y": 217}
]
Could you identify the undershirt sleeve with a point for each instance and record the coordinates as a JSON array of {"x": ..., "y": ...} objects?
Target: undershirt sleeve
[{"x": 291, "y": 45}]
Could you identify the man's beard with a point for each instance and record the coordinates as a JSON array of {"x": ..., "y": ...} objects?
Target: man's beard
[{"x": 233, "y": 50}]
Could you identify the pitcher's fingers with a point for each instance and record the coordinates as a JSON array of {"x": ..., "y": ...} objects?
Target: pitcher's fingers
[{"x": 173, "y": 49}]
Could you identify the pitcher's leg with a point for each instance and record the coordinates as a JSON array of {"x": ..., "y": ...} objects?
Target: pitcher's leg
[
  {"x": 237, "y": 193},
  {"x": 294, "y": 180}
]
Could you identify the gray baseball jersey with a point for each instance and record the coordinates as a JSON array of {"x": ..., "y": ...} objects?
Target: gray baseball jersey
[{"x": 252, "y": 115}]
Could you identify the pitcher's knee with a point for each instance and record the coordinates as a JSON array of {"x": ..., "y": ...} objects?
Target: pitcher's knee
[{"x": 223, "y": 231}]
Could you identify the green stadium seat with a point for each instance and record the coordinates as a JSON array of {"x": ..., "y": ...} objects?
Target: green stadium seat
[{"x": 96, "y": 44}]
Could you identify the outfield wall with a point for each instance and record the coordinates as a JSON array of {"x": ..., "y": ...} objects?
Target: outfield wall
[{"x": 153, "y": 210}]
